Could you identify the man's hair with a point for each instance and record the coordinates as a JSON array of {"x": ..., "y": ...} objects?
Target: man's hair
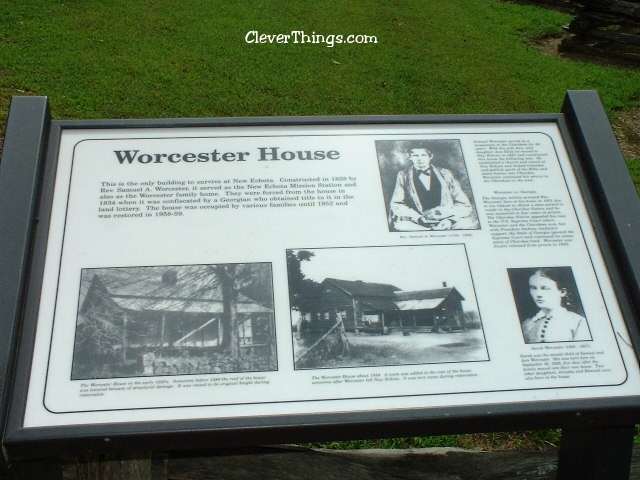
[{"x": 418, "y": 146}]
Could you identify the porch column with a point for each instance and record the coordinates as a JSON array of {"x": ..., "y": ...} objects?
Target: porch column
[
  {"x": 355, "y": 317},
  {"x": 123, "y": 353},
  {"x": 162, "y": 328}
]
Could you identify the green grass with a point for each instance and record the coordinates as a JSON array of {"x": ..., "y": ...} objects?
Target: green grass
[
  {"x": 169, "y": 58},
  {"x": 535, "y": 440},
  {"x": 188, "y": 58},
  {"x": 634, "y": 170},
  {"x": 532, "y": 440}
]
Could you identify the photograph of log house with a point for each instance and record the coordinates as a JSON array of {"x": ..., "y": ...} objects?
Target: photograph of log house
[
  {"x": 339, "y": 322},
  {"x": 174, "y": 320},
  {"x": 378, "y": 308}
]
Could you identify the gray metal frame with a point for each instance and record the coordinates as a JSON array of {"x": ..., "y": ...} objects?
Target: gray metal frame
[{"x": 26, "y": 189}]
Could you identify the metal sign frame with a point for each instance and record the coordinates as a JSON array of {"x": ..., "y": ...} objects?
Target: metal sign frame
[{"x": 27, "y": 179}]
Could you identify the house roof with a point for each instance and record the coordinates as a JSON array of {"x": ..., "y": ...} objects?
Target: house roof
[
  {"x": 426, "y": 299},
  {"x": 379, "y": 304},
  {"x": 191, "y": 288},
  {"x": 184, "y": 305},
  {"x": 364, "y": 289},
  {"x": 385, "y": 297},
  {"x": 185, "y": 282},
  {"x": 428, "y": 294},
  {"x": 425, "y": 304}
]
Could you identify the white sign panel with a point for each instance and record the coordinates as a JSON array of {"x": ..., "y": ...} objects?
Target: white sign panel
[{"x": 245, "y": 271}]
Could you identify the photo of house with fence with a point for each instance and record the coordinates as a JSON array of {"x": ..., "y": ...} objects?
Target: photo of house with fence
[
  {"x": 354, "y": 323},
  {"x": 366, "y": 307},
  {"x": 174, "y": 320}
]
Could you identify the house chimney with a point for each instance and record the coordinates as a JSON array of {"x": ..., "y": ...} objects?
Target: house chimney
[{"x": 444, "y": 284}]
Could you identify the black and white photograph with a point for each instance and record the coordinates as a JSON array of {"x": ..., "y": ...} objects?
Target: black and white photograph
[
  {"x": 376, "y": 306},
  {"x": 426, "y": 185},
  {"x": 174, "y": 320},
  {"x": 548, "y": 304}
]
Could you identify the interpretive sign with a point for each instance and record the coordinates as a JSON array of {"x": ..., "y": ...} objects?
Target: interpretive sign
[{"x": 231, "y": 275}]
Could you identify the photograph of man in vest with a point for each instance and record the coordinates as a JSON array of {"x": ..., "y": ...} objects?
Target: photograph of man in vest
[{"x": 428, "y": 197}]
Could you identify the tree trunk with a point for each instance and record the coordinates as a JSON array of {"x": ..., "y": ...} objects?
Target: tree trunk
[
  {"x": 230, "y": 341},
  {"x": 234, "y": 334}
]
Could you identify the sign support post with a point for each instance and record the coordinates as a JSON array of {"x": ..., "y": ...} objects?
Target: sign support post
[{"x": 595, "y": 453}]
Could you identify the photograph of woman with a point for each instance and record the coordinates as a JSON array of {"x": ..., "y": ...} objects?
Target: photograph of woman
[{"x": 548, "y": 304}]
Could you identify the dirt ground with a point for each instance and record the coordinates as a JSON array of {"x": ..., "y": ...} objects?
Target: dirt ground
[
  {"x": 626, "y": 126},
  {"x": 413, "y": 349}
]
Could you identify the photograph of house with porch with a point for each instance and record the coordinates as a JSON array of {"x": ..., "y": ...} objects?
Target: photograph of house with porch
[
  {"x": 174, "y": 320},
  {"x": 367, "y": 307},
  {"x": 339, "y": 322}
]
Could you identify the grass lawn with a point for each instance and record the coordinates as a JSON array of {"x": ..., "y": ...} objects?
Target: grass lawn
[
  {"x": 189, "y": 58},
  {"x": 170, "y": 58},
  {"x": 397, "y": 349},
  {"x": 536, "y": 440}
]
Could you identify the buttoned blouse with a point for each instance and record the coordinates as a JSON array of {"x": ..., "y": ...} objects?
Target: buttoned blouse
[{"x": 561, "y": 325}]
